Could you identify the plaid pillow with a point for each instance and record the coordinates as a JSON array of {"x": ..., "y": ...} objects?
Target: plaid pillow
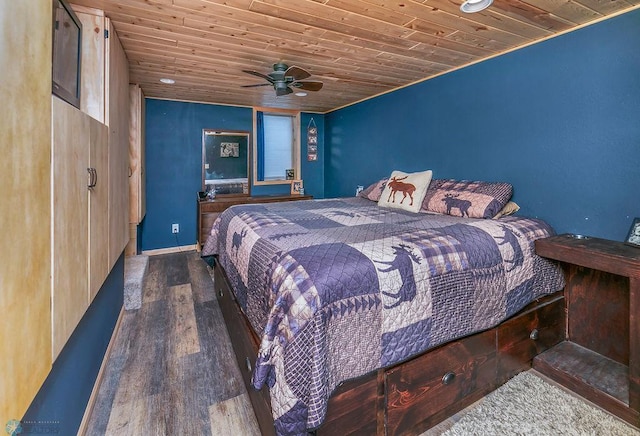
[
  {"x": 466, "y": 198},
  {"x": 374, "y": 191}
]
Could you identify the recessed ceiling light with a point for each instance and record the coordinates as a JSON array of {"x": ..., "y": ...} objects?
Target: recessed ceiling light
[
  {"x": 301, "y": 94},
  {"x": 470, "y": 6},
  {"x": 168, "y": 81}
]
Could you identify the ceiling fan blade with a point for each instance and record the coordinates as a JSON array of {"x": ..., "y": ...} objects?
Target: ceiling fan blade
[
  {"x": 297, "y": 73},
  {"x": 283, "y": 91},
  {"x": 255, "y": 73},
  {"x": 308, "y": 86},
  {"x": 253, "y": 86}
]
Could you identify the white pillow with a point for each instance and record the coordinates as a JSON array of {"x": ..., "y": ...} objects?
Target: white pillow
[{"x": 405, "y": 190}]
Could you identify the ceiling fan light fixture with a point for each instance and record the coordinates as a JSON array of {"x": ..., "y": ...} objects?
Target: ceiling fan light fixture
[
  {"x": 284, "y": 79},
  {"x": 471, "y": 6},
  {"x": 168, "y": 81}
]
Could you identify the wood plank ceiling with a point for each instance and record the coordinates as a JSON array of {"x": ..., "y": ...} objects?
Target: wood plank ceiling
[{"x": 358, "y": 48}]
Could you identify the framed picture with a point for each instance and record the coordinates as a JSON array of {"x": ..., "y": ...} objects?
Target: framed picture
[
  {"x": 297, "y": 187},
  {"x": 229, "y": 149},
  {"x": 633, "y": 237},
  {"x": 290, "y": 174}
]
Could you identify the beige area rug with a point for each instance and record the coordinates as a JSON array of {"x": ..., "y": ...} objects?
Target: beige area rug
[{"x": 528, "y": 405}]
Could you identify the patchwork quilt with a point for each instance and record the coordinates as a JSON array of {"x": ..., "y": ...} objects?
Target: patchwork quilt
[{"x": 338, "y": 288}]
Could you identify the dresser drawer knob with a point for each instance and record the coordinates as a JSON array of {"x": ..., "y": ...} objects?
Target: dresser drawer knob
[
  {"x": 535, "y": 334},
  {"x": 447, "y": 379},
  {"x": 248, "y": 362},
  {"x": 220, "y": 293}
]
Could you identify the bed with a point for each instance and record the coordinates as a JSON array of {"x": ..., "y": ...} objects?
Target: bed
[{"x": 352, "y": 317}]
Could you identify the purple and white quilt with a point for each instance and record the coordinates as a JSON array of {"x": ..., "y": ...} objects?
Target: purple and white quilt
[{"x": 338, "y": 288}]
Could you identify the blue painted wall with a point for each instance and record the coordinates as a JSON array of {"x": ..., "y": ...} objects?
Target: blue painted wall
[
  {"x": 559, "y": 120},
  {"x": 312, "y": 171},
  {"x": 173, "y": 147},
  {"x": 60, "y": 404}
]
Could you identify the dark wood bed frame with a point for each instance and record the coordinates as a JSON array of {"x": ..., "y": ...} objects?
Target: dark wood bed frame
[{"x": 412, "y": 396}]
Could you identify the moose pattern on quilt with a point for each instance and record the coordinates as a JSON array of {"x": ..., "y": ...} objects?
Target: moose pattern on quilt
[{"x": 338, "y": 288}]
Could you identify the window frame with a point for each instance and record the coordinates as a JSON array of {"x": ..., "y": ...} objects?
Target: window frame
[{"x": 295, "y": 158}]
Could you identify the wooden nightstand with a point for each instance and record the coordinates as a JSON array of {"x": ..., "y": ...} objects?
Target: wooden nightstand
[
  {"x": 208, "y": 210},
  {"x": 600, "y": 358}
]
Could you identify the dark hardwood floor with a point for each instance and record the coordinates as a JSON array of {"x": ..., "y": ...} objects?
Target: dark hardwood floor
[{"x": 171, "y": 370}]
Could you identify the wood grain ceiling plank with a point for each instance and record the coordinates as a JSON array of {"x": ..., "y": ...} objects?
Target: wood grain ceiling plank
[
  {"x": 218, "y": 14},
  {"x": 491, "y": 19},
  {"x": 165, "y": 13},
  {"x": 439, "y": 17},
  {"x": 530, "y": 14},
  {"x": 606, "y": 7},
  {"x": 358, "y": 48},
  {"x": 132, "y": 34},
  {"x": 331, "y": 16},
  {"x": 217, "y": 35},
  {"x": 340, "y": 42},
  {"x": 370, "y": 34},
  {"x": 567, "y": 9},
  {"x": 353, "y": 50},
  {"x": 200, "y": 58},
  {"x": 470, "y": 39},
  {"x": 479, "y": 47},
  {"x": 237, "y": 4},
  {"x": 370, "y": 10},
  {"x": 425, "y": 66},
  {"x": 298, "y": 41},
  {"x": 422, "y": 10}
]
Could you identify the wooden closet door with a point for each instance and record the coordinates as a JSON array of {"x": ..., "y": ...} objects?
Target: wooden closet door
[
  {"x": 70, "y": 156},
  {"x": 118, "y": 122},
  {"x": 99, "y": 209}
]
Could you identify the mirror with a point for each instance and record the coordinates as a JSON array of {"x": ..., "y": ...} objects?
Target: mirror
[
  {"x": 276, "y": 147},
  {"x": 225, "y": 162}
]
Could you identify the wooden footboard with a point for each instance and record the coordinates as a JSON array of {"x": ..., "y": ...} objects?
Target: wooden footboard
[{"x": 417, "y": 394}]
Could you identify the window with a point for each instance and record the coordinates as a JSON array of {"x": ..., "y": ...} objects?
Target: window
[{"x": 276, "y": 146}]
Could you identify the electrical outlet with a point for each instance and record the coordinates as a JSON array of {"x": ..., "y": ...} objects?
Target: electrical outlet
[{"x": 175, "y": 228}]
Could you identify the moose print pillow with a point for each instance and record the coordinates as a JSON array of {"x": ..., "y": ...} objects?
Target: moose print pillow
[
  {"x": 405, "y": 190},
  {"x": 466, "y": 198}
]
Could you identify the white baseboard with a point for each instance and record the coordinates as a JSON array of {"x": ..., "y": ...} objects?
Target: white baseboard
[{"x": 170, "y": 250}]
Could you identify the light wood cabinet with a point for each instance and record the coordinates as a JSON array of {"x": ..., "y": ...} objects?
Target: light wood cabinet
[
  {"x": 80, "y": 216},
  {"x": 118, "y": 122},
  {"x": 93, "y": 90},
  {"x": 105, "y": 96},
  {"x": 25, "y": 203},
  {"x": 61, "y": 239},
  {"x": 99, "y": 265},
  {"x": 137, "y": 183}
]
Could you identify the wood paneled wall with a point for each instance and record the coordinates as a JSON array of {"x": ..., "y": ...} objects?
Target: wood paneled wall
[{"x": 25, "y": 203}]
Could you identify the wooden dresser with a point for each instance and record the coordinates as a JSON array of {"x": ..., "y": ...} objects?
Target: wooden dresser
[
  {"x": 208, "y": 210},
  {"x": 600, "y": 357}
]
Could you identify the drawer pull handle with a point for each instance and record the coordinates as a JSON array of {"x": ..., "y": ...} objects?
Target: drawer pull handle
[
  {"x": 248, "y": 362},
  {"x": 447, "y": 379},
  {"x": 535, "y": 334}
]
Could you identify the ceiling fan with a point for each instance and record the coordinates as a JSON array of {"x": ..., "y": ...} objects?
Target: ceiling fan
[{"x": 284, "y": 77}]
